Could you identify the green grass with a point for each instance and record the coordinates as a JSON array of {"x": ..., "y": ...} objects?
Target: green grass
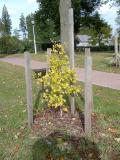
[
  {"x": 13, "y": 115},
  {"x": 40, "y": 56},
  {"x": 99, "y": 60},
  {"x": 106, "y": 105}
]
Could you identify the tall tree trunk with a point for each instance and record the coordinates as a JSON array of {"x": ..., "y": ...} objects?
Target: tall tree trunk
[
  {"x": 64, "y": 8},
  {"x": 99, "y": 39}
]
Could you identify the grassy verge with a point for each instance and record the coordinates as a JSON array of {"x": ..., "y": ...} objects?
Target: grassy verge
[
  {"x": 99, "y": 62},
  {"x": 16, "y": 141}
]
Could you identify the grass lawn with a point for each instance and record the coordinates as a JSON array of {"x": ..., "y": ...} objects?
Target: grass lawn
[
  {"x": 99, "y": 60},
  {"x": 17, "y": 142}
]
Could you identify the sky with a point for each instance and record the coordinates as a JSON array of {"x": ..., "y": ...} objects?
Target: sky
[
  {"x": 16, "y": 7},
  {"x": 109, "y": 14}
]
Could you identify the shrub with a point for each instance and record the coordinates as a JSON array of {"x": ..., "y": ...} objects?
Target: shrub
[
  {"x": 9, "y": 44},
  {"x": 60, "y": 80}
]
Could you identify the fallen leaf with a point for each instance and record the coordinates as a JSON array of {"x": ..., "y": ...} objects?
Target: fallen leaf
[
  {"x": 104, "y": 135},
  {"x": 112, "y": 130},
  {"x": 73, "y": 119},
  {"x": 16, "y": 137},
  {"x": 24, "y": 111},
  {"x": 117, "y": 139},
  {"x": 6, "y": 116},
  {"x": 16, "y": 149},
  {"x": 22, "y": 128},
  {"x": 18, "y": 134},
  {"x": 65, "y": 110}
]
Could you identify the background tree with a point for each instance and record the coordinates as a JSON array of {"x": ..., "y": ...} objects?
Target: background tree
[
  {"x": 44, "y": 30},
  {"x": 101, "y": 31},
  {"x": 10, "y": 44},
  {"x": 29, "y": 19},
  {"x": 98, "y": 30},
  {"x": 6, "y": 21},
  {"x": 1, "y": 27},
  {"x": 49, "y": 9},
  {"x": 22, "y": 26},
  {"x": 16, "y": 33}
]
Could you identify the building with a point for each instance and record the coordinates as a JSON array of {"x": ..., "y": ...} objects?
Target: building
[
  {"x": 83, "y": 41},
  {"x": 86, "y": 41}
]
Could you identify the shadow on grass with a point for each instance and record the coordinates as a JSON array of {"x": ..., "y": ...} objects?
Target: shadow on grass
[
  {"x": 80, "y": 101},
  {"x": 58, "y": 146},
  {"x": 40, "y": 102}
]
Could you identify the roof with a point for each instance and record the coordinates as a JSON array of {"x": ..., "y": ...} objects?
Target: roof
[{"x": 83, "y": 38}]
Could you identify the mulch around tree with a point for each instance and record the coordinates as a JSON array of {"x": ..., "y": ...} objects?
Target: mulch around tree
[
  {"x": 58, "y": 134},
  {"x": 62, "y": 137},
  {"x": 49, "y": 121}
]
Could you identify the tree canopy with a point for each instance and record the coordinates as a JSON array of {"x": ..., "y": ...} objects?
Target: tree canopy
[
  {"x": 99, "y": 30},
  {"x": 22, "y": 25},
  {"x": 49, "y": 9},
  {"x": 7, "y": 24}
]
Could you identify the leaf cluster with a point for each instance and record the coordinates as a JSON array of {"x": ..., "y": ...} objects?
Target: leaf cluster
[
  {"x": 49, "y": 9},
  {"x": 60, "y": 81}
]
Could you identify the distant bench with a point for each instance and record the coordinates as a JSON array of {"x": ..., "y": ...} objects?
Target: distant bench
[
  {"x": 43, "y": 73},
  {"x": 41, "y": 70}
]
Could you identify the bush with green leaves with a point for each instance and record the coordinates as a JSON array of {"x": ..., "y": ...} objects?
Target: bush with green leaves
[{"x": 9, "y": 44}]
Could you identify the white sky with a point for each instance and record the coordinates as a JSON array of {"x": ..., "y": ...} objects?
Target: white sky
[
  {"x": 109, "y": 14},
  {"x": 16, "y": 7}
]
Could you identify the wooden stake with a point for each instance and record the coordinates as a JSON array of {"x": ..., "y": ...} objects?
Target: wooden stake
[
  {"x": 116, "y": 49},
  {"x": 71, "y": 50},
  {"x": 28, "y": 78},
  {"x": 48, "y": 56},
  {"x": 71, "y": 37},
  {"x": 88, "y": 92},
  {"x": 116, "y": 44},
  {"x": 64, "y": 26}
]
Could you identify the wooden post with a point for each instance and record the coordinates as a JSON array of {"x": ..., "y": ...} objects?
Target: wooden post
[
  {"x": 116, "y": 44},
  {"x": 67, "y": 35},
  {"x": 28, "y": 78},
  {"x": 71, "y": 50},
  {"x": 49, "y": 52},
  {"x": 63, "y": 9},
  {"x": 71, "y": 37},
  {"x": 48, "y": 55},
  {"x": 88, "y": 92},
  {"x": 116, "y": 49}
]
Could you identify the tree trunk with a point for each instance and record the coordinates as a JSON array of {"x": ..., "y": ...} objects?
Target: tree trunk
[
  {"x": 64, "y": 7},
  {"x": 99, "y": 39}
]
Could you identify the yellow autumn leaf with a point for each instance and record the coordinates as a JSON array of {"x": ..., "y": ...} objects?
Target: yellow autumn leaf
[
  {"x": 112, "y": 130},
  {"x": 65, "y": 109}
]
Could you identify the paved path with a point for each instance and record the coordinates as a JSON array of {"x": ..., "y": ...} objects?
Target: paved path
[{"x": 110, "y": 80}]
